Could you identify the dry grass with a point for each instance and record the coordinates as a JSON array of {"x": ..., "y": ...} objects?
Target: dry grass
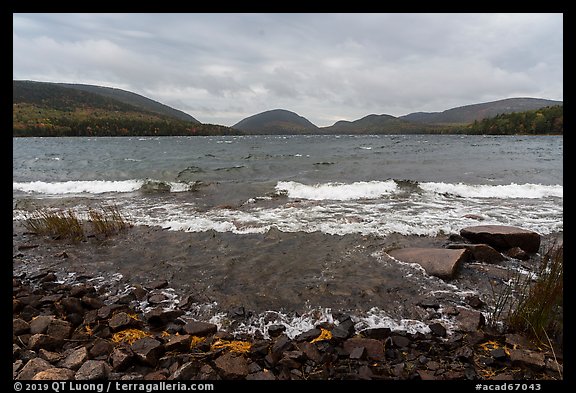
[
  {"x": 533, "y": 306},
  {"x": 539, "y": 308},
  {"x": 60, "y": 224},
  {"x": 106, "y": 220}
]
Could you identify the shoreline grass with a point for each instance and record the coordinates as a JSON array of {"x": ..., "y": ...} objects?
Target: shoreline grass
[{"x": 67, "y": 224}]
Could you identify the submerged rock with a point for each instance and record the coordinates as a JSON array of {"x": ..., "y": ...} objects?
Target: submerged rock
[{"x": 437, "y": 262}]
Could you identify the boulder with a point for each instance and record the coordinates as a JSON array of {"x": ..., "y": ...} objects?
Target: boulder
[
  {"x": 93, "y": 370},
  {"x": 148, "y": 350},
  {"x": 480, "y": 252},
  {"x": 198, "y": 328},
  {"x": 62, "y": 374},
  {"x": 232, "y": 366},
  {"x": 374, "y": 348},
  {"x": 437, "y": 262},
  {"x": 503, "y": 237}
]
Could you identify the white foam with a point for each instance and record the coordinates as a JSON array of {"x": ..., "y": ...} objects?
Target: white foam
[
  {"x": 337, "y": 191},
  {"x": 78, "y": 186},
  {"x": 505, "y": 191},
  {"x": 92, "y": 186}
]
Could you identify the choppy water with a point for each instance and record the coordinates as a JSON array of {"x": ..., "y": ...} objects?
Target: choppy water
[
  {"x": 419, "y": 184},
  {"x": 309, "y": 187}
]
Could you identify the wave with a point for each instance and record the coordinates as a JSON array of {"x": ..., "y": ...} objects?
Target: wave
[
  {"x": 100, "y": 186},
  {"x": 337, "y": 191},
  {"x": 378, "y": 189}
]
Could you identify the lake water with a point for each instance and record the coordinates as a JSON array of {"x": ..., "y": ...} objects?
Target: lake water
[
  {"x": 408, "y": 184},
  {"x": 291, "y": 229}
]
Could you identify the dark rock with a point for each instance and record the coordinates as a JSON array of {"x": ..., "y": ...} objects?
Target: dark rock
[
  {"x": 61, "y": 374},
  {"x": 429, "y": 303},
  {"x": 81, "y": 290},
  {"x": 358, "y": 353},
  {"x": 474, "y": 301},
  {"x": 92, "y": 303},
  {"x": 464, "y": 353},
  {"x": 20, "y": 326},
  {"x": 469, "y": 320},
  {"x": 264, "y": 375},
  {"x": 40, "y": 324},
  {"x": 158, "y": 375},
  {"x": 498, "y": 354},
  {"x": 59, "y": 329},
  {"x": 503, "y": 237},
  {"x": 121, "y": 320},
  {"x": 93, "y": 370},
  {"x": 517, "y": 253},
  {"x": 374, "y": 348},
  {"x": 480, "y": 252},
  {"x": 50, "y": 299},
  {"x": 527, "y": 358},
  {"x": 101, "y": 348},
  {"x": 158, "y": 316},
  {"x": 400, "y": 341},
  {"x": 49, "y": 356},
  {"x": 310, "y": 351},
  {"x": 207, "y": 373},
  {"x": 156, "y": 298},
  {"x": 344, "y": 330},
  {"x": 72, "y": 305},
  {"x": 201, "y": 329},
  {"x": 426, "y": 375},
  {"x": 33, "y": 367},
  {"x": 178, "y": 343},
  {"x": 259, "y": 349},
  {"x": 439, "y": 262},
  {"x": 437, "y": 329},
  {"x": 139, "y": 292},
  {"x": 308, "y": 335},
  {"x": 377, "y": 333},
  {"x": 232, "y": 366},
  {"x": 187, "y": 371},
  {"x": 281, "y": 344},
  {"x": 45, "y": 341},
  {"x": 276, "y": 330},
  {"x": 147, "y": 350},
  {"x": 158, "y": 284},
  {"x": 121, "y": 359},
  {"x": 74, "y": 359}
]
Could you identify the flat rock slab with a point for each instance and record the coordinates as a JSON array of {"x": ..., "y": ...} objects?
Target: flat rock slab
[
  {"x": 503, "y": 237},
  {"x": 439, "y": 262}
]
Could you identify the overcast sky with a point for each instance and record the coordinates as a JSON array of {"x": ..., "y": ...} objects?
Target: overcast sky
[{"x": 221, "y": 68}]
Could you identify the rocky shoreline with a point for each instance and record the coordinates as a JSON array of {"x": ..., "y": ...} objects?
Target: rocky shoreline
[
  {"x": 77, "y": 331},
  {"x": 66, "y": 332}
]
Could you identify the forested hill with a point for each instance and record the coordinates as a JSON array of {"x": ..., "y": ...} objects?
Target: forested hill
[
  {"x": 52, "y": 109},
  {"x": 548, "y": 120},
  {"x": 133, "y": 99}
]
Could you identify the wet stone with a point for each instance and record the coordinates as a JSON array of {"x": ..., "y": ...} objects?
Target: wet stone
[
  {"x": 437, "y": 329},
  {"x": 20, "y": 326},
  {"x": 33, "y": 367},
  {"x": 232, "y": 366},
  {"x": 147, "y": 350},
  {"x": 59, "y": 374},
  {"x": 276, "y": 330},
  {"x": 201, "y": 329},
  {"x": 308, "y": 335},
  {"x": 93, "y": 370}
]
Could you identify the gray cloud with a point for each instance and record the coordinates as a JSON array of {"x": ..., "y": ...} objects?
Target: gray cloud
[{"x": 221, "y": 68}]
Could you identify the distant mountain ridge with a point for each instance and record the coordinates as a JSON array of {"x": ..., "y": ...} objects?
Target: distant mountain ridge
[
  {"x": 276, "y": 121},
  {"x": 470, "y": 113}
]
